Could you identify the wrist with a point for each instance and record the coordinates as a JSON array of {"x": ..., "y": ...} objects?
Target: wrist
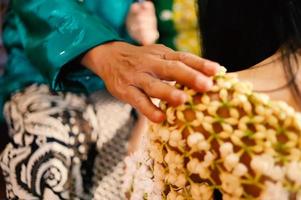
[{"x": 99, "y": 55}]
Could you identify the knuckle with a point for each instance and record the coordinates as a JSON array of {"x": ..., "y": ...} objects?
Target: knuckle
[
  {"x": 148, "y": 86},
  {"x": 183, "y": 56},
  {"x": 176, "y": 63},
  {"x": 139, "y": 102},
  {"x": 165, "y": 70},
  {"x": 161, "y": 46}
]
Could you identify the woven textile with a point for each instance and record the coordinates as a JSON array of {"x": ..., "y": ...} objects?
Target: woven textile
[{"x": 59, "y": 142}]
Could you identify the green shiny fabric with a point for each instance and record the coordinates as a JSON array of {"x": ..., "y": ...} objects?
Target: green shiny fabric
[{"x": 44, "y": 37}]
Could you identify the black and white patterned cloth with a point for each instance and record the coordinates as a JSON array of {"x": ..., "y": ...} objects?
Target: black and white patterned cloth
[{"x": 65, "y": 146}]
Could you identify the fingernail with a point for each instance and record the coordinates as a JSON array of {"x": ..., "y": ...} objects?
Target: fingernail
[
  {"x": 212, "y": 66},
  {"x": 158, "y": 116},
  {"x": 178, "y": 96},
  {"x": 204, "y": 84}
]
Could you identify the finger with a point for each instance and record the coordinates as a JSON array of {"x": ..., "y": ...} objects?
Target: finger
[
  {"x": 145, "y": 38},
  {"x": 158, "y": 50},
  {"x": 158, "y": 89},
  {"x": 142, "y": 103},
  {"x": 207, "y": 67},
  {"x": 135, "y": 8},
  {"x": 149, "y": 37},
  {"x": 148, "y": 5},
  {"x": 143, "y": 27},
  {"x": 178, "y": 71},
  {"x": 143, "y": 19}
]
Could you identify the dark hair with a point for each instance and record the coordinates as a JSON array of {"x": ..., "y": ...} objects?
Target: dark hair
[{"x": 241, "y": 33}]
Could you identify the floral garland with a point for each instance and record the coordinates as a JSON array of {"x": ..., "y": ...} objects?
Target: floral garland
[{"x": 230, "y": 139}]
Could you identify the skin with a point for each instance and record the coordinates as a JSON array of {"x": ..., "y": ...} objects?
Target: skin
[
  {"x": 141, "y": 23},
  {"x": 270, "y": 74},
  {"x": 133, "y": 74}
]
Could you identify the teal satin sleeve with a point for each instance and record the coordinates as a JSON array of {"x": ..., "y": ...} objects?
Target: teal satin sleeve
[
  {"x": 44, "y": 37},
  {"x": 54, "y": 32}
]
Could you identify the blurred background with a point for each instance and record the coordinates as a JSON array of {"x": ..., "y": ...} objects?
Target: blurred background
[{"x": 3, "y": 129}]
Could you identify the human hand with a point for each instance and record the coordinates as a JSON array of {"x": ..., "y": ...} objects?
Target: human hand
[
  {"x": 141, "y": 23},
  {"x": 133, "y": 74}
]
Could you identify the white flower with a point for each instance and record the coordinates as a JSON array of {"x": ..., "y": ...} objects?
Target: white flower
[
  {"x": 193, "y": 165},
  {"x": 196, "y": 167},
  {"x": 262, "y": 164},
  {"x": 202, "y": 191},
  {"x": 180, "y": 197},
  {"x": 173, "y": 158},
  {"x": 259, "y": 135},
  {"x": 261, "y": 98},
  {"x": 180, "y": 181},
  {"x": 203, "y": 146},
  {"x": 221, "y": 71},
  {"x": 194, "y": 139},
  {"x": 156, "y": 153},
  {"x": 159, "y": 171},
  {"x": 297, "y": 120},
  {"x": 231, "y": 184},
  {"x": 230, "y": 197},
  {"x": 223, "y": 94},
  {"x": 227, "y": 128},
  {"x": 208, "y": 126},
  {"x": 208, "y": 159},
  {"x": 240, "y": 170},
  {"x": 172, "y": 195},
  {"x": 139, "y": 177},
  {"x": 171, "y": 178},
  {"x": 170, "y": 115},
  {"x": 197, "y": 141},
  {"x": 205, "y": 99},
  {"x": 271, "y": 135},
  {"x": 175, "y": 138},
  {"x": 226, "y": 149},
  {"x": 277, "y": 173},
  {"x": 234, "y": 113},
  {"x": 195, "y": 191},
  {"x": 164, "y": 134},
  {"x": 274, "y": 191},
  {"x": 231, "y": 161},
  {"x": 294, "y": 172},
  {"x": 203, "y": 171}
]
